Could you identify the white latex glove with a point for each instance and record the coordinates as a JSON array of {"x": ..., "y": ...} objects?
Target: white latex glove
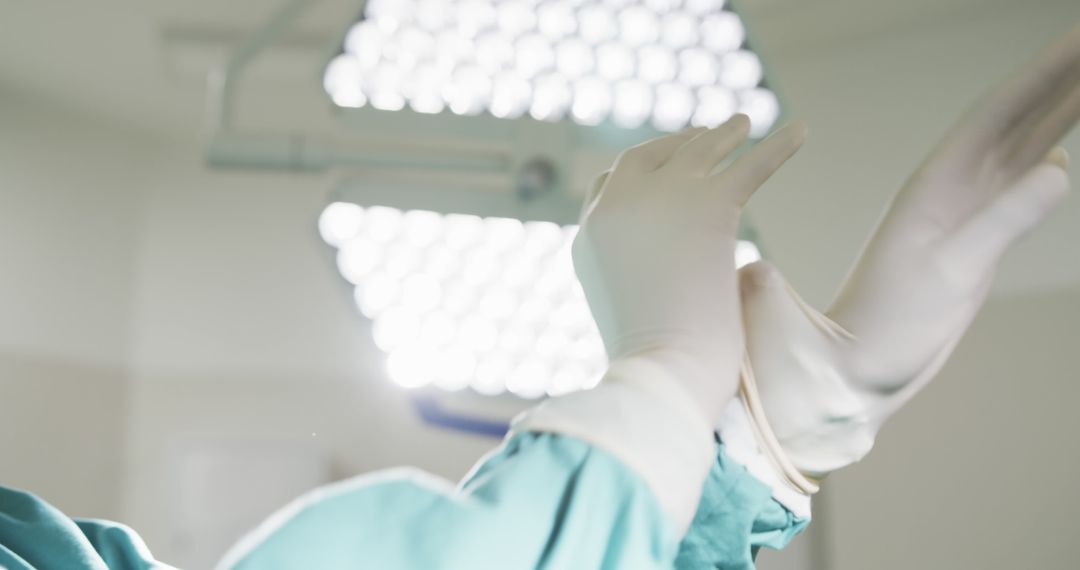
[
  {"x": 655, "y": 255},
  {"x": 655, "y": 248},
  {"x": 826, "y": 382}
]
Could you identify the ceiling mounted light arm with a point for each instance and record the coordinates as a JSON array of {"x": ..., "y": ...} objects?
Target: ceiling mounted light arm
[
  {"x": 230, "y": 147},
  {"x": 222, "y": 80}
]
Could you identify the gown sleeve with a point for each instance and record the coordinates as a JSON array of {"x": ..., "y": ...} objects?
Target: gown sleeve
[
  {"x": 541, "y": 500},
  {"x": 36, "y": 535},
  {"x": 606, "y": 478}
]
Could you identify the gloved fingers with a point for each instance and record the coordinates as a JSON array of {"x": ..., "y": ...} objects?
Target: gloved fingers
[
  {"x": 1023, "y": 98},
  {"x": 744, "y": 176},
  {"x": 651, "y": 154},
  {"x": 593, "y": 194},
  {"x": 1044, "y": 132},
  {"x": 702, "y": 153},
  {"x": 975, "y": 248}
]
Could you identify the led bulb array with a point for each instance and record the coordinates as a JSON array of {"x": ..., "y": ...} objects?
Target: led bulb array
[
  {"x": 459, "y": 301},
  {"x": 666, "y": 62}
]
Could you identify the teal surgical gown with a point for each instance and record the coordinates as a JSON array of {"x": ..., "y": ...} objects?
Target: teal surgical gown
[{"x": 538, "y": 501}]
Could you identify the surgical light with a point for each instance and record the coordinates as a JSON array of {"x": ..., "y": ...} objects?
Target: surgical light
[
  {"x": 546, "y": 58},
  {"x": 460, "y": 301}
]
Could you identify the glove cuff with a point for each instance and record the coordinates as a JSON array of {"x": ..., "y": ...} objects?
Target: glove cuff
[
  {"x": 646, "y": 418},
  {"x": 751, "y": 442}
]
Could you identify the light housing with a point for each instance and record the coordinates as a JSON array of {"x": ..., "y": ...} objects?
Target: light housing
[
  {"x": 460, "y": 301},
  {"x": 555, "y": 60}
]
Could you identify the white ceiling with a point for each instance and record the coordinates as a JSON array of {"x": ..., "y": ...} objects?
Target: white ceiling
[
  {"x": 853, "y": 68},
  {"x": 144, "y": 63}
]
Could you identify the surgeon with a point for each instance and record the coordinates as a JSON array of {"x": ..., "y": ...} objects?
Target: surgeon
[{"x": 728, "y": 399}]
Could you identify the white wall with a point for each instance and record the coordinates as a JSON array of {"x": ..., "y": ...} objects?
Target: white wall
[
  {"x": 980, "y": 470},
  {"x": 69, "y": 207}
]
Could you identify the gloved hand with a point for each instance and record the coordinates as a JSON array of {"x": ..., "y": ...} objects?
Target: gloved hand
[
  {"x": 655, "y": 252},
  {"x": 826, "y": 382}
]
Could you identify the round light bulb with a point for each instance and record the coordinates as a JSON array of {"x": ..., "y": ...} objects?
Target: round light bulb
[
  {"x": 422, "y": 227},
  {"x": 474, "y": 16},
  {"x": 740, "y": 70},
  {"x": 498, "y": 304},
  {"x": 703, "y": 6},
  {"x": 455, "y": 369},
  {"x": 437, "y": 329},
  {"x": 385, "y": 93},
  {"x": 463, "y": 230},
  {"x": 433, "y": 14},
  {"x": 556, "y": 19},
  {"x": 340, "y": 222},
  {"x": 662, "y": 6},
  {"x": 402, "y": 259},
  {"x": 441, "y": 262},
  {"x": 534, "y": 311},
  {"x": 491, "y": 374},
  {"x": 411, "y": 367},
  {"x": 567, "y": 379},
  {"x": 574, "y": 58},
  {"x": 510, "y": 96},
  {"x": 377, "y": 293},
  {"x": 674, "y": 104},
  {"x": 452, "y": 49},
  {"x": 423, "y": 88},
  {"x": 478, "y": 333},
  {"x": 656, "y": 64},
  {"x": 357, "y": 258},
  {"x": 722, "y": 32},
  {"x": 614, "y": 60},
  {"x": 383, "y": 224},
  {"x": 342, "y": 81},
  {"x": 350, "y": 96},
  {"x": 552, "y": 344},
  {"x": 480, "y": 267},
  {"x": 494, "y": 51},
  {"x": 588, "y": 350},
  {"x": 529, "y": 379},
  {"x": 534, "y": 54},
  {"x": 679, "y": 30},
  {"x": 572, "y": 316},
  {"x": 716, "y": 104},
  {"x": 468, "y": 91},
  {"x": 542, "y": 238},
  {"x": 459, "y": 297},
  {"x": 596, "y": 23},
  {"x": 420, "y": 293},
  {"x": 417, "y": 42},
  {"x": 697, "y": 67},
  {"x": 502, "y": 234},
  {"x": 516, "y": 339},
  {"x": 519, "y": 271},
  {"x": 592, "y": 101},
  {"x": 638, "y": 26},
  {"x": 365, "y": 41},
  {"x": 762, "y": 107},
  {"x": 395, "y": 327},
  {"x": 516, "y": 17},
  {"x": 551, "y": 98},
  {"x": 633, "y": 103}
]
